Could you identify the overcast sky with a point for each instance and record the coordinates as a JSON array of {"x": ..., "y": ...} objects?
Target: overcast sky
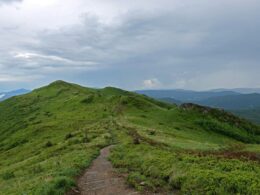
[{"x": 133, "y": 44}]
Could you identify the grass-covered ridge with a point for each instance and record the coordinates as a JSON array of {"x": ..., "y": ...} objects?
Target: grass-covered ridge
[{"x": 49, "y": 135}]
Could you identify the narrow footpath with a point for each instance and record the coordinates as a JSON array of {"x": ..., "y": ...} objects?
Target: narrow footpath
[{"x": 101, "y": 179}]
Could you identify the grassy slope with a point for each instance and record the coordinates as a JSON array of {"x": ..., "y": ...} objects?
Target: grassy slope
[
  {"x": 176, "y": 152},
  {"x": 48, "y": 136},
  {"x": 51, "y": 134}
]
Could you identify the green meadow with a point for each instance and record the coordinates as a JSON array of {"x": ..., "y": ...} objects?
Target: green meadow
[{"x": 49, "y": 136}]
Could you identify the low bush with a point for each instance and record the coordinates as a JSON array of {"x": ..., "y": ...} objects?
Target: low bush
[
  {"x": 87, "y": 100},
  {"x": 8, "y": 175},
  {"x": 68, "y": 136},
  {"x": 16, "y": 143},
  {"x": 48, "y": 144},
  {"x": 57, "y": 186}
]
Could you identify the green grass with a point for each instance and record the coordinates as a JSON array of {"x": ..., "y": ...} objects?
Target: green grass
[
  {"x": 189, "y": 150},
  {"x": 51, "y": 135},
  {"x": 191, "y": 174},
  {"x": 36, "y": 153}
]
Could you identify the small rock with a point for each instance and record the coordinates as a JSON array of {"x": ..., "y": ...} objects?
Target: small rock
[{"x": 142, "y": 183}]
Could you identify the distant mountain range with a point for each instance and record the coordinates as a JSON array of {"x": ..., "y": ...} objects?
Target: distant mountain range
[
  {"x": 185, "y": 95},
  {"x": 240, "y": 101},
  {"x": 240, "y": 90},
  {"x": 233, "y": 102},
  {"x": 6, "y": 95}
]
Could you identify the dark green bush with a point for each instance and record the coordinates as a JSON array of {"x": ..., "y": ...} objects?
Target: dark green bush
[
  {"x": 68, "y": 136},
  {"x": 136, "y": 180},
  {"x": 8, "y": 175},
  {"x": 16, "y": 143},
  {"x": 152, "y": 132},
  {"x": 88, "y": 99},
  {"x": 58, "y": 186},
  {"x": 48, "y": 144}
]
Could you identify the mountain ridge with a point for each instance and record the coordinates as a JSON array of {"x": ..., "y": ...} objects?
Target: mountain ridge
[{"x": 184, "y": 95}]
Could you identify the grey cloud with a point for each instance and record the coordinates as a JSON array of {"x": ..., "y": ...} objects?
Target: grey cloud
[
  {"x": 178, "y": 48},
  {"x": 30, "y": 58},
  {"x": 9, "y": 1}
]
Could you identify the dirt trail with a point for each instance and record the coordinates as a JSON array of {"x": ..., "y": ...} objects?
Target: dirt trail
[{"x": 101, "y": 179}]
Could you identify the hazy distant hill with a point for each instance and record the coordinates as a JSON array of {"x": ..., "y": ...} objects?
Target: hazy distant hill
[
  {"x": 6, "y": 95},
  {"x": 233, "y": 102},
  {"x": 240, "y": 90},
  {"x": 185, "y": 95}
]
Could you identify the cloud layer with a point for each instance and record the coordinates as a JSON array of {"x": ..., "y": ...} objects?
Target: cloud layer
[
  {"x": 9, "y": 1},
  {"x": 177, "y": 44}
]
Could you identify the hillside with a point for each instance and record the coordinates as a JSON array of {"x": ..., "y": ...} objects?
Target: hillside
[
  {"x": 47, "y": 137},
  {"x": 170, "y": 100},
  {"x": 243, "y": 105}
]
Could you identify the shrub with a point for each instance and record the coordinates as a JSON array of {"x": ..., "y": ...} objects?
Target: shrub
[
  {"x": 48, "y": 144},
  {"x": 68, "y": 136},
  {"x": 152, "y": 132},
  {"x": 57, "y": 186},
  {"x": 74, "y": 141},
  {"x": 17, "y": 143},
  {"x": 136, "y": 141},
  {"x": 48, "y": 114},
  {"x": 86, "y": 138},
  {"x": 88, "y": 99},
  {"x": 143, "y": 116},
  {"x": 8, "y": 175},
  {"x": 136, "y": 180}
]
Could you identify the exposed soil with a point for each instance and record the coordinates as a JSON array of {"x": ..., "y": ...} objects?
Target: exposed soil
[
  {"x": 229, "y": 154},
  {"x": 101, "y": 179}
]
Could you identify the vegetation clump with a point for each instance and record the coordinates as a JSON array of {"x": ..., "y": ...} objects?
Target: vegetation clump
[
  {"x": 88, "y": 99},
  {"x": 48, "y": 144},
  {"x": 8, "y": 175},
  {"x": 68, "y": 136}
]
